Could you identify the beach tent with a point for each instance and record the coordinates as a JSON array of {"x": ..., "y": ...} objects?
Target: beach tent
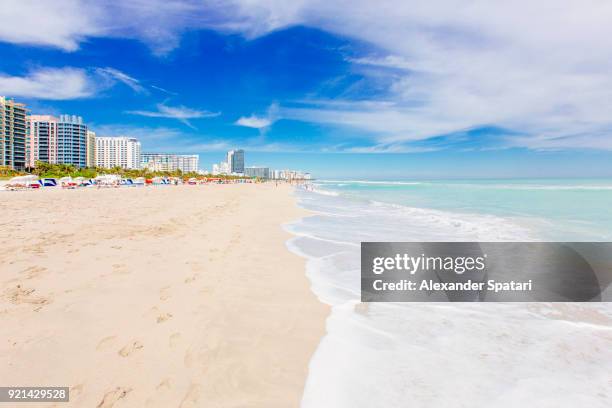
[
  {"x": 139, "y": 181},
  {"x": 192, "y": 181},
  {"x": 48, "y": 182},
  {"x": 81, "y": 181},
  {"x": 107, "y": 180},
  {"x": 29, "y": 181},
  {"x": 67, "y": 182}
]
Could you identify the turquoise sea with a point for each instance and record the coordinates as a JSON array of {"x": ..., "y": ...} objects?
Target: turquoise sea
[
  {"x": 451, "y": 354},
  {"x": 554, "y": 209}
]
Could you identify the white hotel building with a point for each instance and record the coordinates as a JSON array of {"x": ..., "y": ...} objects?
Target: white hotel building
[
  {"x": 186, "y": 163},
  {"x": 118, "y": 151}
]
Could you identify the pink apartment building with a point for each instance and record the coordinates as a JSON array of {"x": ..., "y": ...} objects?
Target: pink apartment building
[{"x": 42, "y": 139}]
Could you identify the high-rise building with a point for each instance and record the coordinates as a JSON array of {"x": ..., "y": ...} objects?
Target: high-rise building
[
  {"x": 261, "y": 172},
  {"x": 186, "y": 163},
  {"x": 42, "y": 139},
  {"x": 235, "y": 161},
  {"x": 123, "y": 152},
  {"x": 12, "y": 134},
  {"x": 91, "y": 148},
  {"x": 220, "y": 168},
  {"x": 72, "y": 141}
]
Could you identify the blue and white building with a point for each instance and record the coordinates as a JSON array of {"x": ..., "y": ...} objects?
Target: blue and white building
[{"x": 72, "y": 140}]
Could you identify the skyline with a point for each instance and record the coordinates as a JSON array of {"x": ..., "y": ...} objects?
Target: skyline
[
  {"x": 306, "y": 79},
  {"x": 512, "y": 163}
]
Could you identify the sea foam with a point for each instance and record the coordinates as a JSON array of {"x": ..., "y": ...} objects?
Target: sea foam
[{"x": 435, "y": 354}]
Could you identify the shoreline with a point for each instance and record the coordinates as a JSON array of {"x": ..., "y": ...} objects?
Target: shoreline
[
  {"x": 156, "y": 297},
  {"x": 435, "y": 354}
]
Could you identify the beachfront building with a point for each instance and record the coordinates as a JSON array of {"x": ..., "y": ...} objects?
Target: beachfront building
[
  {"x": 121, "y": 152},
  {"x": 42, "y": 139},
  {"x": 186, "y": 163},
  {"x": 72, "y": 140},
  {"x": 235, "y": 161},
  {"x": 220, "y": 168},
  {"x": 91, "y": 148},
  {"x": 62, "y": 140},
  {"x": 12, "y": 134},
  {"x": 261, "y": 172}
]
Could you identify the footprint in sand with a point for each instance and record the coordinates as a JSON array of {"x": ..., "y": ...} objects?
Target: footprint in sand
[
  {"x": 188, "y": 359},
  {"x": 113, "y": 396},
  {"x": 195, "y": 266},
  {"x": 163, "y": 293},
  {"x": 174, "y": 339},
  {"x": 191, "y": 397},
  {"x": 163, "y": 317},
  {"x": 120, "y": 269},
  {"x": 192, "y": 278},
  {"x": 76, "y": 390},
  {"x": 236, "y": 236},
  {"x": 34, "y": 271},
  {"x": 130, "y": 348},
  {"x": 105, "y": 343},
  {"x": 165, "y": 384},
  {"x": 19, "y": 295}
]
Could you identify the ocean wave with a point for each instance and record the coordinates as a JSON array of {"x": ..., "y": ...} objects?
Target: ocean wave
[
  {"x": 428, "y": 354},
  {"x": 534, "y": 187},
  {"x": 482, "y": 186},
  {"x": 345, "y": 182},
  {"x": 313, "y": 188}
]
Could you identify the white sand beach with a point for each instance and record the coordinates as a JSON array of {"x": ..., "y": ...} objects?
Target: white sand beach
[{"x": 174, "y": 296}]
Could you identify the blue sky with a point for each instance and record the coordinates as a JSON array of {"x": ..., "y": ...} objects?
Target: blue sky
[{"x": 418, "y": 89}]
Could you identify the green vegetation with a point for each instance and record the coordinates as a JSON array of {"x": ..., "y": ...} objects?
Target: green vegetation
[
  {"x": 43, "y": 169},
  {"x": 7, "y": 172}
]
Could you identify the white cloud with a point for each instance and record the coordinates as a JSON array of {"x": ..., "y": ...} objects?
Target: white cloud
[
  {"x": 65, "y": 83},
  {"x": 387, "y": 61},
  {"x": 65, "y": 24},
  {"x": 159, "y": 88},
  {"x": 159, "y": 139},
  {"x": 541, "y": 68},
  {"x": 254, "y": 122},
  {"x": 165, "y": 139},
  {"x": 180, "y": 113},
  {"x": 147, "y": 135},
  {"x": 116, "y": 75},
  {"x": 260, "y": 122},
  {"x": 59, "y": 23},
  {"x": 49, "y": 83}
]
